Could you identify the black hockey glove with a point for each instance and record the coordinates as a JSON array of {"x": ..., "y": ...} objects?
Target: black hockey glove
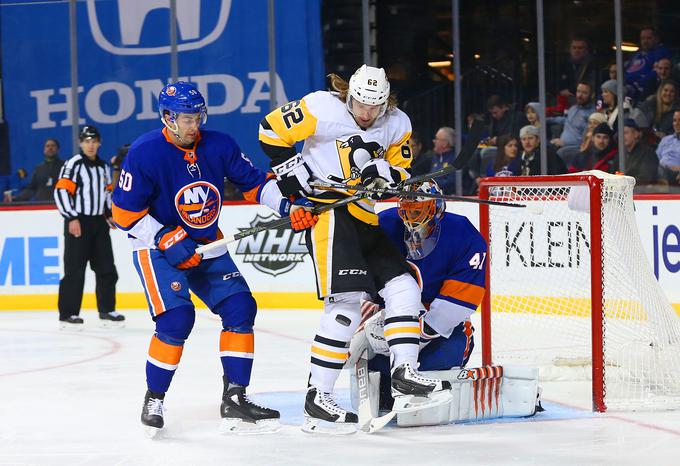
[
  {"x": 379, "y": 174},
  {"x": 293, "y": 176}
]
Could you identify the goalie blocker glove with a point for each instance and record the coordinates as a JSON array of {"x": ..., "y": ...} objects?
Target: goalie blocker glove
[
  {"x": 293, "y": 176},
  {"x": 379, "y": 174},
  {"x": 179, "y": 249}
]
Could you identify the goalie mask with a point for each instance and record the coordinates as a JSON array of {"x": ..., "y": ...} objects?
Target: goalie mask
[
  {"x": 369, "y": 86},
  {"x": 421, "y": 217},
  {"x": 177, "y": 98}
]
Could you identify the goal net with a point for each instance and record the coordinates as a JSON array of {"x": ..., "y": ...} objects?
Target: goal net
[{"x": 570, "y": 290}]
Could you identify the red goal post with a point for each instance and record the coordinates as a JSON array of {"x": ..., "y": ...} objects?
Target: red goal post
[{"x": 570, "y": 290}]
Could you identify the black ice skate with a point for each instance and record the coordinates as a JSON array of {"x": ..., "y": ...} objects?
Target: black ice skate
[
  {"x": 323, "y": 415},
  {"x": 71, "y": 323},
  {"x": 152, "y": 413},
  {"x": 112, "y": 319},
  {"x": 242, "y": 416},
  {"x": 412, "y": 391}
]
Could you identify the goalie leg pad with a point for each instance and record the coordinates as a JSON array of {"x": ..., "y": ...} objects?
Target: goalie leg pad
[{"x": 480, "y": 393}]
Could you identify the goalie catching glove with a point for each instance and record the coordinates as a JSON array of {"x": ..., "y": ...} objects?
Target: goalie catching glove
[
  {"x": 179, "y": 249},
  {"x": 300, "y": 212},
  {"x": 293, "y": 176},
  {"x": 379, "y": 174}
]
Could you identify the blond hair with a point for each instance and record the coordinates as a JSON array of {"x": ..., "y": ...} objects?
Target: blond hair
[{"x": 341, "y": 86}]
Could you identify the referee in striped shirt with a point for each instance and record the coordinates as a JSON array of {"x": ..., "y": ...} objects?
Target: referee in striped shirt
[{"x": 83, "y": 197}]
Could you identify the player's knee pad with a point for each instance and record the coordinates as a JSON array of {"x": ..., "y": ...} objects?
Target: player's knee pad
[
  {"x": 237, "y": 312},
  {"x": 342, "y": 315},
  {"x": 402, "y": 296},
  {"x": 174, "y": 326}
]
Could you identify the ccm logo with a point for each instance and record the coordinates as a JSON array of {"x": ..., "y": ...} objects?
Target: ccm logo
[
  {"x": 231, "y": 275},
  {"x": 352, "y": 272},
  {"x": 288, "y": 165},
  {"x": 174, "y": 239}
]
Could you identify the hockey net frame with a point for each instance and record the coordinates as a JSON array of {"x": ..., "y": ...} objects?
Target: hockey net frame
[{"x": 640, "y": 390}]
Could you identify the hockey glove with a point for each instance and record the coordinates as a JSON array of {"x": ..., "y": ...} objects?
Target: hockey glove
[
  {"x": 179, "y": 249},
  {"x": 300, "y": 213},
  {"x": 379, "y": 174},
  {"x": 293, "y": 177},
  {"x": 374, "y": 328}
]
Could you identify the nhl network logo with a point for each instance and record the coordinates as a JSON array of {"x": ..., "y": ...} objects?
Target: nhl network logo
[
  {"x": 132, "y": 14},
  {"x": 273, "y": 251}
]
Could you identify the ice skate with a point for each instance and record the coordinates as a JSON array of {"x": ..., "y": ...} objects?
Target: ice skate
[
  {"x": 242, "y": 416},
  {"x": 112, "y": 319},
  {"x": 73, "y": 323},
  {"x": 152, "y": 414},
  {"x": 412, "y": 392},
  {"x": 323, "y": 415}
]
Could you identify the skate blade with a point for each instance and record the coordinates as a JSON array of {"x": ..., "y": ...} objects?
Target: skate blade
[
  {"x": 70, "y": 327},
  {"x": 410, "y": 403},
  {"x": 241, "y": 427},
  {"x": 153, "y": 433},
  {"x": 318, "y": 426},
  {"x": 110, "y": 324}
]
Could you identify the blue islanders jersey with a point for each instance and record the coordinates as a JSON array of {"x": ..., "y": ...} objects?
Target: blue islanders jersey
[
  {"x": 164, "y": 184},
  {"x": 452, "y": 275}
]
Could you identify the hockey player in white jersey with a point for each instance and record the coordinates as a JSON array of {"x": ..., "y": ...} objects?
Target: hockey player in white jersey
[{"x": 354, "y": 134}]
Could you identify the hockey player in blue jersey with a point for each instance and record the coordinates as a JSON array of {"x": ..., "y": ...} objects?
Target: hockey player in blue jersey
[
  {"x": 168, "y": 199},
  {"x": 448, "y": 256}
]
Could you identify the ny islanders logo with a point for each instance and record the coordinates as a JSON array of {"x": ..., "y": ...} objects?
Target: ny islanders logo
[
  {"x": 354, "y": 153},
  {"x": 198, "y": 204}
]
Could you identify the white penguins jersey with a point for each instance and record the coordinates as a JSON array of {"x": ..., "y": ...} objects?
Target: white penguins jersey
[{"x": 335, "y": 147}]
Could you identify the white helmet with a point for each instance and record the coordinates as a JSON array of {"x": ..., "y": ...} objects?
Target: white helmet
[{"x": 369, "y": 86}]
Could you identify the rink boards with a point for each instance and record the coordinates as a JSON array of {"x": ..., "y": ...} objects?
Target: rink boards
[{"x": 275, "y": 262}]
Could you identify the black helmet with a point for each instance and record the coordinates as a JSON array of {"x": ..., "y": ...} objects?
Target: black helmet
[{"x": 89, "y": 131}]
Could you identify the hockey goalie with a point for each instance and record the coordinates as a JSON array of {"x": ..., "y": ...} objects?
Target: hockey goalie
[{"x": 448, "y": 257}]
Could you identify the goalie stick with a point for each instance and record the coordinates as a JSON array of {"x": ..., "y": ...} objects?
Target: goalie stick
[
  {"x": 476, "y": 132},
  {"x": 368, "y": 423},
  {"x": 408, "y": 194}
]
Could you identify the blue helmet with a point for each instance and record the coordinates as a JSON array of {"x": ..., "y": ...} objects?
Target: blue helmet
[{"x": 181, "y": 97}]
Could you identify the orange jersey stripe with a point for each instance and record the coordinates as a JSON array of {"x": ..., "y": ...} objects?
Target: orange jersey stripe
[
  {"x": 68, "y": 185},
  {"x": 144, "y": 257},
  {"x": 462, "y": 291},
  {"x": 251, "y": 195},
  {"x": 165, "y": 353},
  {"x": 237, "y": 342},
  {"x": 126, "y": 218}
]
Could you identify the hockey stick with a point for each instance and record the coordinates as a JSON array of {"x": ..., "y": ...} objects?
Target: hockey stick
[
  {"x": 281, "y": 222},
  {"x": 409, "y": 194},
  {"x": 368, "y": 423},
  {"x": 468, "y": 151}
]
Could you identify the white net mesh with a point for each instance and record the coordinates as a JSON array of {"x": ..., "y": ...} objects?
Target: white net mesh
[{"x": 540, "y": 289}]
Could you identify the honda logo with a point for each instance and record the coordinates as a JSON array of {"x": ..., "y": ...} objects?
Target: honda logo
[{"x": 132, "y": 15}]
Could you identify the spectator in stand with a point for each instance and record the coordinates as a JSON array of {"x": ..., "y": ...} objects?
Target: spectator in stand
[
  {"x": 41, "y": 186},
  {"x": 117, "y": 162},
  {"x": 421, "y": 161},
  {"x": 575, "y": 123},
  {"x": 594, "y": 120},
  {"x": 669, "y": 153},
  {"x": 663, "y": 69},
  {"x": 641, "y": 160},
  {"x": 443, "y": 155},
  {"x": 601, "y": 155},
  {"x": 532, "y": 112},
  {"x": 657, "y": 111},
  {"x": 531, "y": 154},
  {"x": 579, "y": 67},
  {"x": 610, "y": 102},
  {"x": 612, "y": 73},
  {"x": 505, "y": 119},
  {"x": 506, "y": 163},
  {"x": 640, "y": 68},
  {"x": 12, "y": 184}
]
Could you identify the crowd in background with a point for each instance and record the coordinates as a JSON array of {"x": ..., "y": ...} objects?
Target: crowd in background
[{"x": 581, "y": 126}]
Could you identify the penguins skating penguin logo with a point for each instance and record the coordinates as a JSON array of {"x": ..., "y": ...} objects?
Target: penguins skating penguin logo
[{"x": 354, "y": 153}]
